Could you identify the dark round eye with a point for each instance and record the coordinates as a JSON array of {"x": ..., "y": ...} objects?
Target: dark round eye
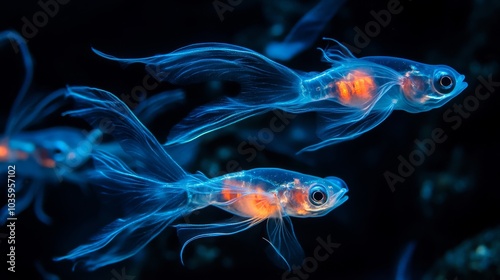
[
  {"x": 317, "y": 195},
  {"x": 443, "y": 82}
]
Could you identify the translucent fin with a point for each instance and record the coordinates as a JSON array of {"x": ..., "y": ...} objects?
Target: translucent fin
[
  {"x": 338, "y": 54},
  {"x": 265, "y": 84},
  {"x": 150, "y": 108},
  {"x": 305, "y": 32},
  {"x": 190, "y": 232},
  {"x": 155, "y": 195},
  {"x": 212, "y": 61},
  {"x": 151, "y": 206},
  {"x": 402, "y": 272},
  {"x": 19, "y": 44},
  {"x": 205, "y": 119},
  {"x": 39, "y": 211},
  {"x": 119, "y": 179},
  {"x": 35, "y": 109},
  {"x": 143, "y": 194},
  {"x": 334, "y": 129},
  {"x": 186, "y": 154},
  {"x": 121, "y": 239},
  {"x": 23, "y": 200},
  {"x": 104, "y": 110},
  {"x": 287, "y": 251}
]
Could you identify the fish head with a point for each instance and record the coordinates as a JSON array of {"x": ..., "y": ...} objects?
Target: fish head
[
  {"x": 311, "y": 196},
  {"x": 426, "y": 87}
]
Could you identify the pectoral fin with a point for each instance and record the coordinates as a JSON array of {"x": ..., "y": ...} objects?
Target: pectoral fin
[
  {"x": 286, "y": 248},
  {"x": 191, "y": 232}
]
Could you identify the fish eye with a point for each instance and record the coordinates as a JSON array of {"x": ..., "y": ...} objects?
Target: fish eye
[
  {"x": 443, "y": 82},
  {"x": 58, "y": 154},
  {"x": 317, "y": 195}
]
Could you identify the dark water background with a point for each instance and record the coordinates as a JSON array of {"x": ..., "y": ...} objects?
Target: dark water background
[{"x": 372, "y": 227}]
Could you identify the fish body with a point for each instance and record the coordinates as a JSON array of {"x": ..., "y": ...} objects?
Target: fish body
[
  {"x": 350, "y": 98},
  {"x": 159, "y": 192}
]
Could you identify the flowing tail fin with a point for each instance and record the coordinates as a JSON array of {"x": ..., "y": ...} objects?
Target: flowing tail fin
[
  {"x": 153, "y": 206},
  {"x": 402, "y": 270},
  {"x": 155, "y": 193},
  {"x": 19, "y": 45},
  {"x": 34, "y": 109},
  {"x": 265, "y": 84},
  {"x": 105, "y": 111},
  {"x": 150, "y": 108}
]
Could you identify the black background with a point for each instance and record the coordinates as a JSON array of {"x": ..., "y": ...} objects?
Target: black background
[{"x": 373, "y": 226}]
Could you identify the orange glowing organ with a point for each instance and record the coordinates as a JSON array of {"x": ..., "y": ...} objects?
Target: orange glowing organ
[
  {"x": 270, "y": 194},
  {"x": 363, "y": 91},
  {"x": 161, "y": 192},
  {"x": 250, "y": 200},
  {"x": 9, "y": 154},
  {"x": 47, "y": 162},
  {"x": 247, "y": 194},
  {"x": 413, "y": 86},
  {"x": 4, "y": 152},
  {"x": 14, "y": 151},
  {"x": 356, "y": 89}
]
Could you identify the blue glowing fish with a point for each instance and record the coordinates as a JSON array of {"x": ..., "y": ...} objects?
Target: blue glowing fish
[
  {"x": 48, "y": 156},
  {"x": 350, "y": 98},
  {"x": 159, "y": 191},
  {"x": 44, "y": 157},
  {"x": 52, "y": 155},
  {"x": 32, "y": 154}
]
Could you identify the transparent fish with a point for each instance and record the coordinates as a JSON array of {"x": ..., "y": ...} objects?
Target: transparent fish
[
  {"x": 350, "y": 98},
  {"x": 48, "y": 156},
  {"x": 159, "y": 192}
]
